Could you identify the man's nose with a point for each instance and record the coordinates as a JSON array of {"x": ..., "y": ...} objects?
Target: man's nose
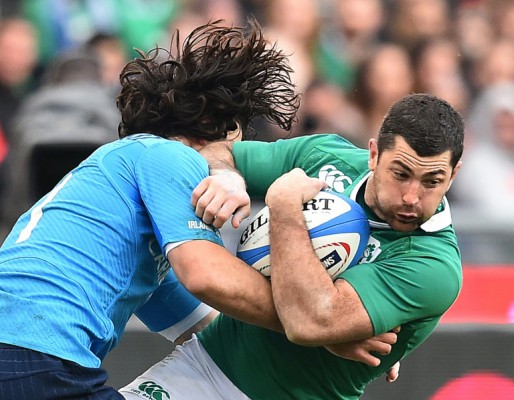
[{"x": 412, "y": 194}]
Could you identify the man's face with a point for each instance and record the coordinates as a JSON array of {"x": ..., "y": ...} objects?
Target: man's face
[{"x": 405, "y": 189}]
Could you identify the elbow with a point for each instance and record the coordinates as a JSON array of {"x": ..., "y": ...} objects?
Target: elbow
[
  {"x": 308, "y": 324},
  {"x": 300, "y": 338},
  {"x": 195, "y": 283},
  {"x": 305, "y": 333}
]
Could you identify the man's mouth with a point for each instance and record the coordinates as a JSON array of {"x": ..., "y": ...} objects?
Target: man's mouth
[{"x": 407, "y": 218}]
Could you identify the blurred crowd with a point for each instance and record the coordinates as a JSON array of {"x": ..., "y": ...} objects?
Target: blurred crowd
[{"x": 60, "y": 61}]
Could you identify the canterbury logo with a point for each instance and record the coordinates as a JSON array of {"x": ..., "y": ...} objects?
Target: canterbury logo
[
  {"x": 335, "y": 179},
  {"x": 154, "y": 390}
]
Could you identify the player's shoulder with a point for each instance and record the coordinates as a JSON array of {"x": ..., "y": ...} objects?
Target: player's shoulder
[
  {"x": 152, "y": 147},
  {"x": 321, "y": 139},
  {"x": 150, "y": 141},
  {"x": 335, "y": 147},
  {"x": 437, "y": 250}
]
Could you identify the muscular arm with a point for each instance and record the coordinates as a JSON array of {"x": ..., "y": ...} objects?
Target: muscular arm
[
  {"x": 245, "y": 294},
  {"x": 313, "y": 309},
  {"x": 224, "y": 282}
]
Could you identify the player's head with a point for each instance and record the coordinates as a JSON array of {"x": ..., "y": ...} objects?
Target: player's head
[
  {"x": 218, "y": 80},
  {"x": 414, "y": 160},
  {"x": 430, "y": 126}
]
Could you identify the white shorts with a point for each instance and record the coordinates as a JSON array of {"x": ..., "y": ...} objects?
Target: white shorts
[{"x": 188, "y": 373}]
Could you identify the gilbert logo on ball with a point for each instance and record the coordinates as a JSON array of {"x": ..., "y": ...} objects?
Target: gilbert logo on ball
[{"x": 338, "y": 228}]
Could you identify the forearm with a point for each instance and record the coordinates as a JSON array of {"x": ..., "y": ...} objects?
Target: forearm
[
  {"x": 247, "y": 298},
  {"x": 302, "y": 289},
  {"x": 219, "y": 157},
  {"x": 313, "y": 309},
  {"x": 226, "y": 283}
]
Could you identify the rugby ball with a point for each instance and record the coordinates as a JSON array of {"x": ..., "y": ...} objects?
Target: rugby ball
[{"x": 337, "y": 225}]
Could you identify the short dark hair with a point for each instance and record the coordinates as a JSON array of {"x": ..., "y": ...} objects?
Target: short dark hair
[
  {"x": 220, "y": 78},
  {"x": 428, "y": 124}
]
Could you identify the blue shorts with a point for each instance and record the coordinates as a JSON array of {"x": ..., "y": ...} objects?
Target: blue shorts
[{"x": 28, "y": 374}]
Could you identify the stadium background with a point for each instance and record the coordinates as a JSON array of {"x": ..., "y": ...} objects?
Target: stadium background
[{"x": 352, "y": 59}]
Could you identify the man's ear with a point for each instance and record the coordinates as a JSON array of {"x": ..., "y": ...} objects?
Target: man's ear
[
  {"x": 454, "y": 174},
  {"x": 198, "y": 144},
  {"x": 373, "y": 154}
]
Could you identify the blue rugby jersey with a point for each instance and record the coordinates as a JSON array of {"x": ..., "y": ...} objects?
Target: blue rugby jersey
[{"x": 89, "y": 254}]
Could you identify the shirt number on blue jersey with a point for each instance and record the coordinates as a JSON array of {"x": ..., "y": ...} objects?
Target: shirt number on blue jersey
[{"x": 37, "y": 213}]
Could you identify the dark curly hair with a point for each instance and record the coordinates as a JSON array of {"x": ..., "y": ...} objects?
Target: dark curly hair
[{"x": 220, "y": 78}]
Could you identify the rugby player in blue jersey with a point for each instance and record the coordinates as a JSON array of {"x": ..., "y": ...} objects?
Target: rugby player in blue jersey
[{"x": 98, "y": 247}]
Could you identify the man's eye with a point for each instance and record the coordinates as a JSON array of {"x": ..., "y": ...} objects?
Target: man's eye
[
  {"x": 432, "y": 183},
  {"x": 400, "y": 175}
]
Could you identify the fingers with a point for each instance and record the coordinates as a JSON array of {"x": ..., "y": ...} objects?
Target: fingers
[
  {"x": 295, "y": 186},
  {"x": 356, "y": 351},
  {"x": 382, "y": 344},
  {"x": 207, "y": 206},
  {"x": 241, "y": 214},
  {"x": 200, "y": 198},
  {"x": 388, "y": 337},
  {"x": 218, "y": 198},
  {"x": 381, "y": 348},
  {"x": 237, "y": 209},
  {"x": 199, "y": 191},
  {"x": 368, "y": 359},
  {"x": 393, "y": 373}
]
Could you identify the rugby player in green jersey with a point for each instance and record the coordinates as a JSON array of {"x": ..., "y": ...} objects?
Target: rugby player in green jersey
[{"x": 409, "y": 276}]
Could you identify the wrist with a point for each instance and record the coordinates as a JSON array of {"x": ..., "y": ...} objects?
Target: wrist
[{"x": 283, "y": 201}]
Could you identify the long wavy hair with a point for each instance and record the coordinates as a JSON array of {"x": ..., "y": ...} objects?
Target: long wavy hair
[{"x": 219, "y": 79}]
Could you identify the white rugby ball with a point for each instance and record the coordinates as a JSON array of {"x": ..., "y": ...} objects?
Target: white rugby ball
[{"x": 338, "y": 227}]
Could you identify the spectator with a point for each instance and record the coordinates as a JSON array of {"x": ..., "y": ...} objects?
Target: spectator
[
  {"x": 474, "y": 35},
  {"x": 18, "y": 58},
  {"x": 415, "y": 20},
  {"x": 502, "y": 13},
  {"x": 438, "y": 70},
  {"x": 497, "y": 64},
  {"x": 489, "y": 159},
  {"x": 228, "y": 10},
  {"x": 185, "y": 22},
  {"x": 197, "y": 12},
  {"x": 294, "y": 25},
  {"x": 384, "y": 78},
  {"x": 112, "y": 57},
  {"x": 65, "y": 24},
  {"x": 326, "y": 108},
  {"x": 352, "y": 31}
]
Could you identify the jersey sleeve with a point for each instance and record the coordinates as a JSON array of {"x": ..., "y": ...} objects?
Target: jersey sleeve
[
  {"x": 261, "y": 163},
  {"x": 410, "y": 287},
  {"x": 167, "y": 174},
  {"x": 172, "y": 308},
  {"x": 326, "y": 156}
]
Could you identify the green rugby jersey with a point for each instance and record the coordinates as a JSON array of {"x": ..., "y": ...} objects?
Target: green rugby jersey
[{"x": 405, "y": 278}]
